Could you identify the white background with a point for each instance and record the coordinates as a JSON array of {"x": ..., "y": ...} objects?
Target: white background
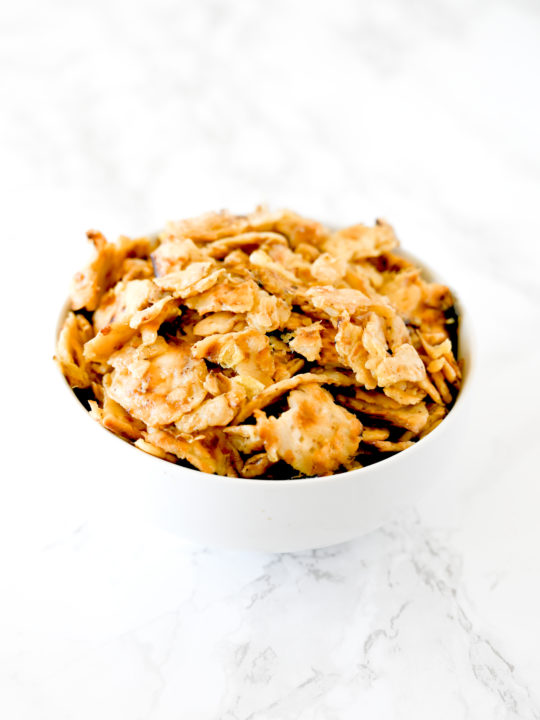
[{"x": 120, "y": 115}]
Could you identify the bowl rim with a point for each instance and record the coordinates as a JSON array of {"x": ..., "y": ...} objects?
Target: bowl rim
[{"x": 466, "y": 349}]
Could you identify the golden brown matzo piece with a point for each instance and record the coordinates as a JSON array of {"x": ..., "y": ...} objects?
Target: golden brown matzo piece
[
  {"x": 75, "y": 333},
  {"x": 157, "y": 383},
  {"x": 315, "y": 436}
]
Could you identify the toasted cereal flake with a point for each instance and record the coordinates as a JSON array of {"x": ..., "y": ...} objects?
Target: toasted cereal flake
[
  {"x": 315, "y": 436},
  {"x": 157, "y": 383}
]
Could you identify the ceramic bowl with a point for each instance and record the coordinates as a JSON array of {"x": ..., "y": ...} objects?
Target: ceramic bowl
[{"x": 269, "y": 515}]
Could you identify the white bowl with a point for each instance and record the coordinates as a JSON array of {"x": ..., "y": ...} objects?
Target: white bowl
[{"x": 270, "y": 515}]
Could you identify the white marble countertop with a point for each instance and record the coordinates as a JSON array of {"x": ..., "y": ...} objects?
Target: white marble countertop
[{"x": 120, "y": 115}]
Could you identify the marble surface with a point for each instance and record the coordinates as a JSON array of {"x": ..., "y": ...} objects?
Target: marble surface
[{"x": 119, "y": 115}]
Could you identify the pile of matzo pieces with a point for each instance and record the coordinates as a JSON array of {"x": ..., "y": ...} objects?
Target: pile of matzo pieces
[{"x": 261, "y": 346}]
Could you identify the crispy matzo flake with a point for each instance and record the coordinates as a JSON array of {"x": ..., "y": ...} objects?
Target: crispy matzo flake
[
  {"x": 359, "y": 241},
  {"x": 269, "y": 313},
  {"x": 236, "y": 297},
  {"x": 175, "y": 254},
  {"x": 349, "y": 344},
  {"x": 411, "y": 417},
  {"x": 123, "y": 300},
  {"x": 301, "y": 231},
  {"x": 147, "y": 447},
  {"x": 315, "y": 436},
  {"x": 217, "y": 411},
  {"x": 208, "y": 227},
  {"x": 75, "y": 332},
  {"x": 256, "y": 465},
  {"x": 119, "y": 421},
  {"x": 248, "y": 352},
  {"x": 272, "y": 393},
  {"x": 157, "y": 383},
  {"x": 246, "y": 241},
  {"x": 209, "y": 452},
  {"x": 307, "y": 341},
  {"x": 89, "y": 285}
]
